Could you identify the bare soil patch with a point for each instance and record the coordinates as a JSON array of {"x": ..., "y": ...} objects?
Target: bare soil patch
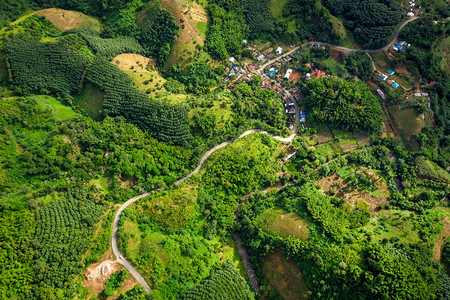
[
  {"x": 295, "y": 76},
  {"x": 350, "y": 194},
  {"x": 66, "y": 19},
  {"x": 187, "y": 17},
  {"x": 284, "y": 276},
  {"x": 95, "y": 276},
  {"x": 131, "y": 61},
  {"x": 437, "y": 251}
]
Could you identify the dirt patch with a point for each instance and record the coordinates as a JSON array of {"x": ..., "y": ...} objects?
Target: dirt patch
[
  {"x": 348, "y": 193},
  {"x": 437, "y": 251},
  {"x": 284, "y": 276},
  {"x": 387, "y": 129},
  {"x": 95, "y": 276},
  {"x": 295, "y": 76},
  {"x": 66, "y": 19},
  {"x": 135, "y": 62},
  {"x": 187, "y": 17}
]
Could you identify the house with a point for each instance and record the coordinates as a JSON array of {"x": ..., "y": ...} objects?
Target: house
[
  {"x": 390, "y": 72},
  {"x": 277, "y": 89},
  {"x": 279, "y": 51},
  {"x": 307, "y": 76},
  {"x": 233, "y": 67},
  {"x": 308, "y": 65},
  {"x": 318, "y": 74},
  {"x": 381, "y": 76},
  {"x": 303, "y": 119},
  {"x": 398, "y": 48},
  {"x": 390, "y": 82},
  {"x": 417, "y": 95},
  {"x": 261, "y": 57},
  {"x": 288, "y": 73},
  {"x": 272, "y": 73},
  {"x": 381, "y": 94},
  {"x": 303, "y": 113},
  {"x": 410, "y": 14},
  {"x": 251, "y": 67},
  {"x": 232, "y": 59},
  {"x": 424, "y": 94},
  {"x": 395, "y": 85}
]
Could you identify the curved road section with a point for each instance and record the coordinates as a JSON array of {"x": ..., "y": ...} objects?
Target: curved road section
[
  {"x": 115, "y": 249},
  {"x": 289, "y": 139}
]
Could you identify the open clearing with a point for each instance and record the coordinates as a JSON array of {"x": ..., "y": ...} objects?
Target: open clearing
[
  {"x": 441, "y": 239},
  {"x": 193, "y": 15},
  {"x": 66, "y": 19},
  {"x": 408, "y": 121},
  {"x": 90, "y": 101},
  {"x": 351, "y": 195},
  {"x": 278, "y": 222},
  {"x": 131, "y": 61},
  {"x": 284, "y": 276},
  {"x": 59, "y": 111},
  {"x": 393, "y": 224}
]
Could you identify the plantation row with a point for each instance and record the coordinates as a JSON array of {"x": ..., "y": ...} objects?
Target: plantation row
[
  {"x": 226, "y": 283},
  {"x": 168, "y": 122},
  {"x": 62, "y": 236},
  {"x": 110, "y": 47},
  {"x": 45, "y": 68}
]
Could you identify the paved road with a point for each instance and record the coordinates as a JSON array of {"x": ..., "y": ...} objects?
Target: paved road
[
  {"x": 289, "y": 139},
  {"x": 116, "y": 251}
]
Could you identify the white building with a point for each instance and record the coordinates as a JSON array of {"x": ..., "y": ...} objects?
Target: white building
[
  {"x": 279, "y": 51},
  {"x": 288, "y": 73}
]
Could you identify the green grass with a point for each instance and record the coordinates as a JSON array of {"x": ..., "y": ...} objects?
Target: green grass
[
  {"x": 408, "y": 121},
  {"x": 325, "y": 150},
  {"x": 59, "y": 111},
  {"x": 276, "y": 8},
  {"x": 151, "y": 83},
  {"x": 278, "y": 222},
  {"x": 441, "y": 173},
  {"x": 284, "y": 276},
  {"x": 174, "y": 209},
  {"x": 202, "y": 27},
  {"x": 90, "y": 101},
  {"x": 135, "y": 240},
  {"x": 339, "y": 27},
  {"x": 394, "y": 223},
  {"x": 230, "y": 251},
  {"x": 381, "y": 61},
  {"x": 442, "y": 49}
]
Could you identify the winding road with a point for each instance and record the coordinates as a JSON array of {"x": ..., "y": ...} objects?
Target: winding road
[{"x": 289, "y": 139}]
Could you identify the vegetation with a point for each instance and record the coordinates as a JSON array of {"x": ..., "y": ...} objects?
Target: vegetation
[
  {"x": 339, "y": 212},
  {"x": 342, "y": 104},
  {"x": 223, "y": 283}
]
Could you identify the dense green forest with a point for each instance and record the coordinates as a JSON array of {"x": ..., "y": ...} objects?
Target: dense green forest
[{"x": 352, "y": 204}]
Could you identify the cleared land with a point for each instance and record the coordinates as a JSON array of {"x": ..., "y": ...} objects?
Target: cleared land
[
  {"x": 284, "y": 276},
  {"x": 278, "y": 222},
  {"x": 343, "y": 190},
  {"x": 408, "y": 121},
  {"x": 66, "y": 19},
  {"x": 195, "y": 21},
  {"x": 59, "y": 111},
  {"x": 90, "y": 101}
]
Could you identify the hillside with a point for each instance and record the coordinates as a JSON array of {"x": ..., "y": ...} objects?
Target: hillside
[{"x": 245, "y": 149}]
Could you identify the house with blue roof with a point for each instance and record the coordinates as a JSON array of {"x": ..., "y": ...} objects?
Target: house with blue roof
[
  {"x": 390, "y": 72},
  {"x": 395, "y": 85},
  {"x": 399, "y": 48},
  {"x": 272, "y": 73}
]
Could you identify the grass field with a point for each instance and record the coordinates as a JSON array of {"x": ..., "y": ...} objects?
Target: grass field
[
  {"x": 66, "y": 19},
  {"x": 284, "y": 276},
  {"x": 408, "y": 121},
  {"x": 194, "y": 33},
  {"x": 174, "y": 209},
  {"x": 276, "y": 8},
  {"x": 134, "y": 242},
  {"x": 90, "y": 101},
  {"x": 59, "y": 111},
  {"x": 381, "y": 61},
  {"x": 278, "y": 222},
  {"x": 442, "y": 49},
  {"x": 394, "y": 224}
]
